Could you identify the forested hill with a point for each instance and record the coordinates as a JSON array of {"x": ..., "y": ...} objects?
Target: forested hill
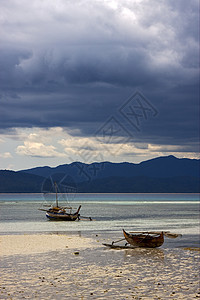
[{"x": 160, "y": 175}]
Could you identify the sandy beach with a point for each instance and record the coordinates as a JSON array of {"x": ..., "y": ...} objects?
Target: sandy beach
[
  {"x": 41, "y": 243},
  {"x": 58, "y": 266}
]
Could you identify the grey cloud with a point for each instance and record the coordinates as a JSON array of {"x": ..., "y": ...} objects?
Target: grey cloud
[{"x": 74, "y": 64}]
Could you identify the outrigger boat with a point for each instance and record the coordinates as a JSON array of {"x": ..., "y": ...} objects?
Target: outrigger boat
[
  {"x": 58, "y": 213},
  {"x": 144, "y": 239}
]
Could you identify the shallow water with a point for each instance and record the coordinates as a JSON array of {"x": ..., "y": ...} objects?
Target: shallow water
[{"x": 177, "y": 213}]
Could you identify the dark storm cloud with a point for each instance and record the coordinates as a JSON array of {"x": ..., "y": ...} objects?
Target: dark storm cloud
[{"x": 73, "y": 65}]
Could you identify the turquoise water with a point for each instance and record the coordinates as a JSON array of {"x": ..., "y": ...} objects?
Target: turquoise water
[
  {"x": 110, "y": 212},
  {"x": 116, "y": 198}
]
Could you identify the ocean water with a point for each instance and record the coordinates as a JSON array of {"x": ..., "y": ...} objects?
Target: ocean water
[{"x": 177, "y": 213}]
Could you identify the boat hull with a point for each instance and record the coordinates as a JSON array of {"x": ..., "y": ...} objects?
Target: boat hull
[
  {"x": 61, "y": 217},
  {"x": 144, "y": 240}
]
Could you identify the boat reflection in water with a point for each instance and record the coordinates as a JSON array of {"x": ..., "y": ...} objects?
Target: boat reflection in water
[{"x": 154, "y": 254}]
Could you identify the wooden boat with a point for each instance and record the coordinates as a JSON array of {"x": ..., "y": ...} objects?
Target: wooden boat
[
  {"x": 145, "y": 239},
  {"x": 59, "y": 213}
]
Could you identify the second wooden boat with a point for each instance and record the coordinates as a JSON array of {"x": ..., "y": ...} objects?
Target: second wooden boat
[{"x": 145, "y": 239}]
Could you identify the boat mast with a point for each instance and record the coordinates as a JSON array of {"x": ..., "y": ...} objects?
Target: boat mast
[{"x": 56, "y": 194}]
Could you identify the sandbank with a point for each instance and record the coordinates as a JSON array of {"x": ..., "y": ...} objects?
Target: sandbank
[{"x": 40, "y": 243}]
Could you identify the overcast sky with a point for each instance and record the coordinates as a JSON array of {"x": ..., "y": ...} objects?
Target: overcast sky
[{"x": 97, "y": 81}]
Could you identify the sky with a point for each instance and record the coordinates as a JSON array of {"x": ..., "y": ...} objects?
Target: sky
[{"x": 97, "y": 80}]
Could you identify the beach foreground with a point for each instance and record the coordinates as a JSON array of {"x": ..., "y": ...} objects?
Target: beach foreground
[{"x": 59, "y": 266}]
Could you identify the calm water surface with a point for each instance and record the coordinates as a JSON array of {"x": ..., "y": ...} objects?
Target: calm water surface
[{"x": 111, "y": 212}]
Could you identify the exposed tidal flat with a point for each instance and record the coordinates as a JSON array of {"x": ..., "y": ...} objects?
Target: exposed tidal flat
[
  {"x": 41, "y": 259},
  {"x": 75, "y": 267}
]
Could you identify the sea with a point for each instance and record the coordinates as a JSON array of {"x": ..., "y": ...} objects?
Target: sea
[{"x": 110, "y": 213}]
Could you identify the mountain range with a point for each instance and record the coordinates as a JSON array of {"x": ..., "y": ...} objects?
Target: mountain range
[{"x": 166, "y": 174}]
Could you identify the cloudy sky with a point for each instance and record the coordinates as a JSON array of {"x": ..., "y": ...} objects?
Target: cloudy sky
[{"x": 97, "y": 80}]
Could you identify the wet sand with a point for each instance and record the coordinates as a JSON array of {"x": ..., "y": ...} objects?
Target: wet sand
[{"x": 56, "y": 266}]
